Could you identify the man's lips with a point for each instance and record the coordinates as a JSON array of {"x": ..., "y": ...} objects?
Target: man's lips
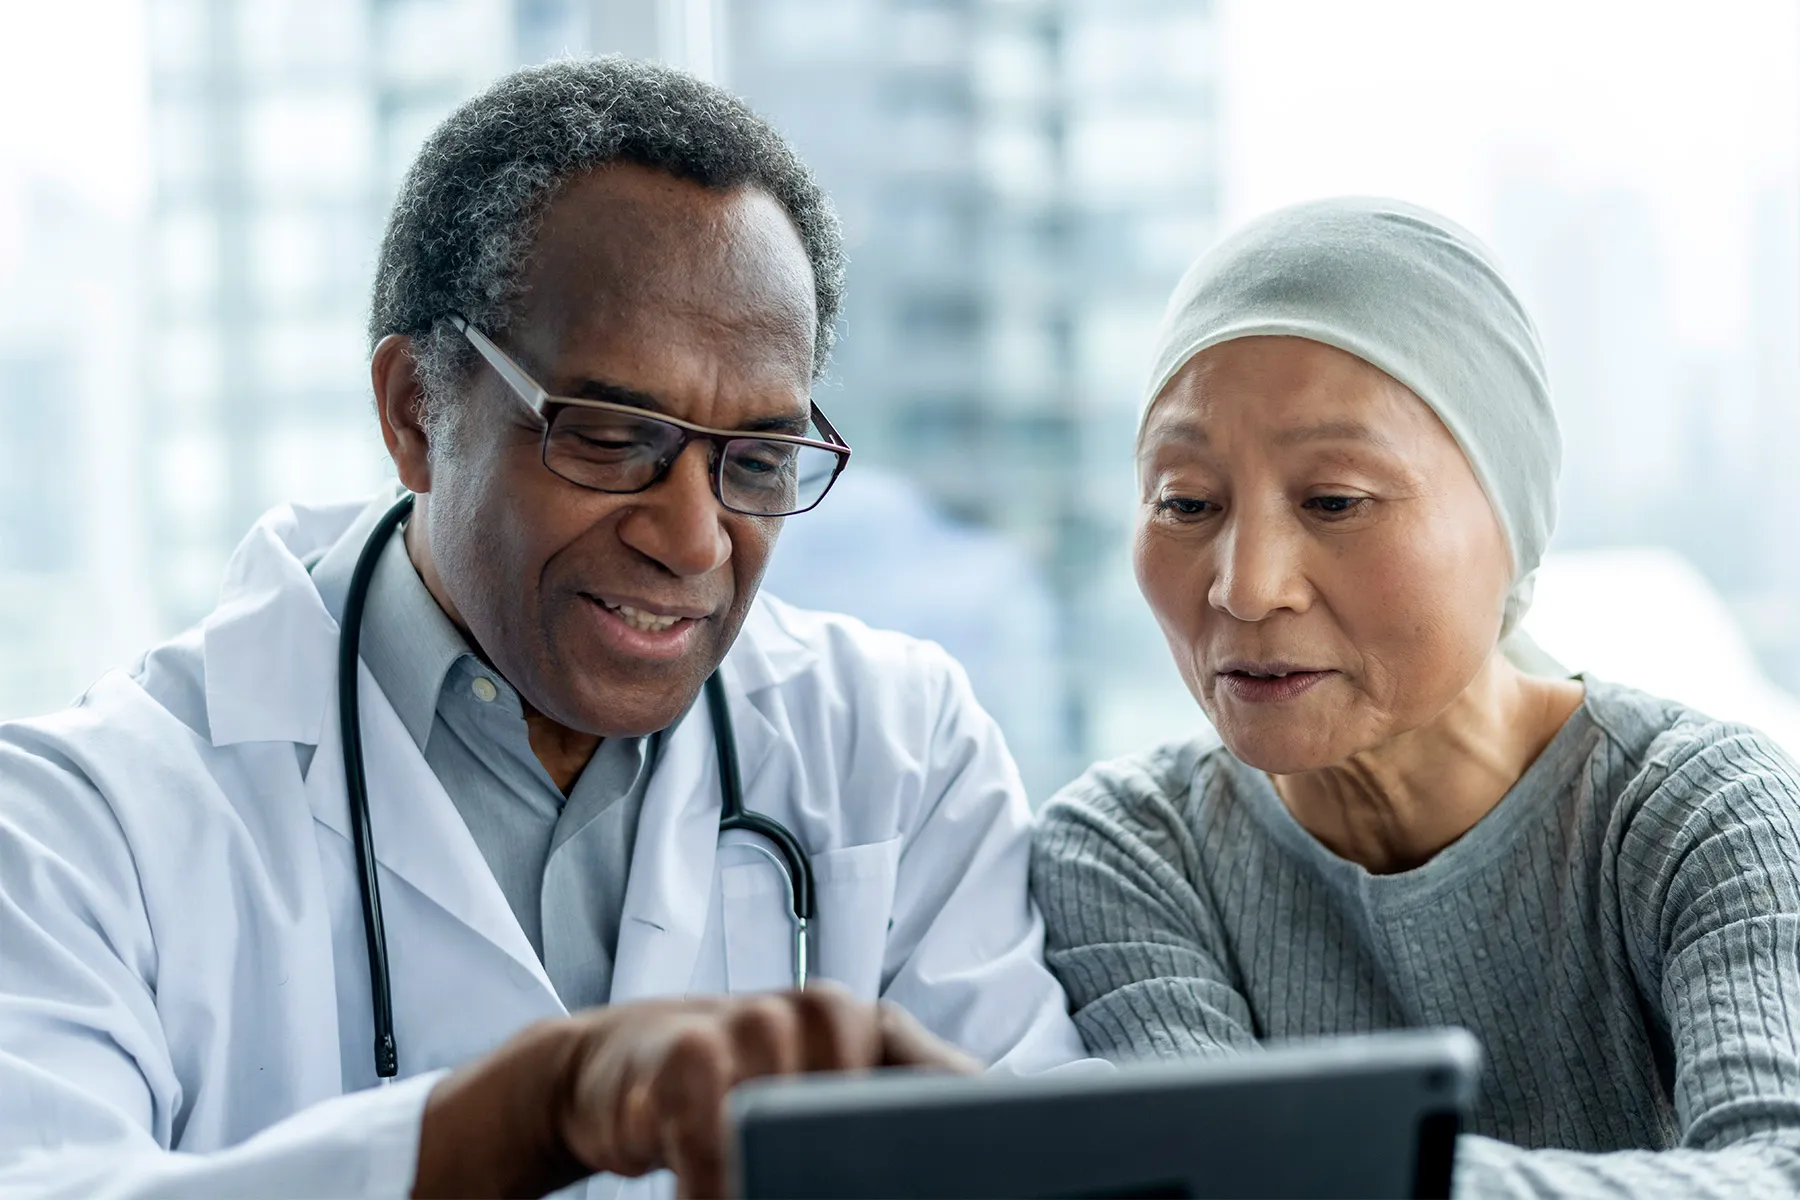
[
  {"x": 644, "y": 629},
  {"x": 647, "y": 615}
]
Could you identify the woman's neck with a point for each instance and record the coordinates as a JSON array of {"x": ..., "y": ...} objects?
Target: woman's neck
[{"x": 1393, "y": 807}]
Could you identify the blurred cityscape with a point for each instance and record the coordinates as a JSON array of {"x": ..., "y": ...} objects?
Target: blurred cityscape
[{"x": 1021, "y": 183}]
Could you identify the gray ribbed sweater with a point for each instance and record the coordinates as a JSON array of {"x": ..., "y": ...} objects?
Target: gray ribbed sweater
[{"x": 1622, "y": 932}]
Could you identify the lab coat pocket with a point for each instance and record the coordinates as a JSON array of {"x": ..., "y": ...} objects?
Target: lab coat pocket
[
  {"x": 855, "y": 898},
  {"x": 855, "y": 907}
]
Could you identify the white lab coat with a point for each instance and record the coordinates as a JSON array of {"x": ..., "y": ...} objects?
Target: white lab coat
[{"x": 184, "y": 983}]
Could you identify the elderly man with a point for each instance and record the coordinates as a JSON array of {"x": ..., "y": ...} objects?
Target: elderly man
[{"x": 603, "y": 296}]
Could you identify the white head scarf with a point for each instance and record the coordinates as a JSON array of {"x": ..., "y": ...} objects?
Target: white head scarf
[{"x": 1417, "y": 296}]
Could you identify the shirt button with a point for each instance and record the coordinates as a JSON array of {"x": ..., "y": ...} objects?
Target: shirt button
[{"x": 484, "y": 689}]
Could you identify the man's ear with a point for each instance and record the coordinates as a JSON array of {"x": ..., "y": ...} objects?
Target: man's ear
[{"x": 400, "y": 403}]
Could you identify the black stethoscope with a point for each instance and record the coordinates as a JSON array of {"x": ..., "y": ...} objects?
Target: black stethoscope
[{"x": 787, "y": 855}]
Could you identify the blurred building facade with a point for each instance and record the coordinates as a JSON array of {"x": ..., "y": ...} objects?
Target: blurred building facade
[
  {"x": 1772, "y": 437},
  {"x": 1665, "y": 444},
  {"x": 71, "y": 564},
  {"x": 279, "y": 131}
]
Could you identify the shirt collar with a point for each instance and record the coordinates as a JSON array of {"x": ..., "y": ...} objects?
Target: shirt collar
[{"x": 408, "y": 642}]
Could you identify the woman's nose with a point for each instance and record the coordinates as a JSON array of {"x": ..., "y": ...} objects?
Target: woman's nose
[
  {"x": 678, "y": 522},
  {"x": 1259, "y": 571}
]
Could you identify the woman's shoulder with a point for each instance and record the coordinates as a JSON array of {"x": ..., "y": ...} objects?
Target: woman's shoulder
[
  {"x": 1703, "y": 829},
  {"x": 1655, "y": 734},
  {"x": 1137, "y": 817},
  {"x": 1668, "y": 763},
  {"x": 1163, "y": 783}
]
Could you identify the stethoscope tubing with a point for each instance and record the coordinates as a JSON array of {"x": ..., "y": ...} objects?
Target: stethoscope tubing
[
  {"x": 793, "y": 860},
  {"x": 789, "y": 856},
  {"x": 356, "y": 785}
]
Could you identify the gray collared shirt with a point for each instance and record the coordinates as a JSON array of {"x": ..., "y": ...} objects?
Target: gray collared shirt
[{"x": 561, "y": 862}]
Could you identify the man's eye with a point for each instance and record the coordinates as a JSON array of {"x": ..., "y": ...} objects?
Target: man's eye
[
  {"x": 763, "y": 460},
  {"x": 602, "y": 441}
]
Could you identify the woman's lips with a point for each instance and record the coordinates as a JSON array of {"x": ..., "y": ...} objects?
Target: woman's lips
[{"x": 1271, "y": 689}]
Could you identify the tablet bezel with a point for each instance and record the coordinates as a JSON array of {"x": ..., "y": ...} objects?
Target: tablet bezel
[{"x": 833, "y": 1135}]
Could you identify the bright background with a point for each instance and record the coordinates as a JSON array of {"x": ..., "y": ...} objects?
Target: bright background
[{"x": 191, "y": 193}]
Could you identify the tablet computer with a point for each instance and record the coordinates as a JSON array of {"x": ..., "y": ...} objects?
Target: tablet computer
[{"x": 1373, "y": 1115}]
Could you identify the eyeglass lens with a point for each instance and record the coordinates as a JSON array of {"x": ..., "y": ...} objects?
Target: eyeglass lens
[{"x": 617, "y": 452}]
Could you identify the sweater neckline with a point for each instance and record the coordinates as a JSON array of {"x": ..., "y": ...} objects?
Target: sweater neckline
[{"x": 1534, "y": 793}]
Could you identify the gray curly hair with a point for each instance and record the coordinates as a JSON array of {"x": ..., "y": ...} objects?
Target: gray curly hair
[{"x": 462, "y": 228}]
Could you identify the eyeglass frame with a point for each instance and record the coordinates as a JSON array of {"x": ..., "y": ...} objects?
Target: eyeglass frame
[{"x": 539, "y": 400}]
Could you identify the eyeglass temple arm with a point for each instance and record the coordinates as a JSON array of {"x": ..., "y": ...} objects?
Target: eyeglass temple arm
[
  {"x": 829, "y": 430},
  {"x": 505, "y": 367}
]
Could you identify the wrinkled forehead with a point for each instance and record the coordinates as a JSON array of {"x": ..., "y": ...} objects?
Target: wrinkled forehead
[
  {"x": 627, "y": 256},
  {"x": 1287, "y": 392}
]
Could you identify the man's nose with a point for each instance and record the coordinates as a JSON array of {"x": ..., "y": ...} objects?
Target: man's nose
[
  {"x": 1259, "y": 570},
  {"x": 678, "y": 521}
]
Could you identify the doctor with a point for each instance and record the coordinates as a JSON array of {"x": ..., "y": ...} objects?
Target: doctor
[{"x": 593, "y": 270}]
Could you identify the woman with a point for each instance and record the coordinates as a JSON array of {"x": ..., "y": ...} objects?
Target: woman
[{"x": 1347, "y": 469}]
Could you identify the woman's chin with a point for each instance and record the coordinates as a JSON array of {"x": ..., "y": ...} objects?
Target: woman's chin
[{"x": 1277, "y": 747}]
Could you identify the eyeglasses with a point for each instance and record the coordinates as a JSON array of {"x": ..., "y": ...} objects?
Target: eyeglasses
[{"x": 616, "y": 448}]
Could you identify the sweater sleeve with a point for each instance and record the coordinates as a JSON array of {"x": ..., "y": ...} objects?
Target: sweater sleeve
[
  {"x": 1709, "y": 887},
  {"x": 1127, "y": 931}
]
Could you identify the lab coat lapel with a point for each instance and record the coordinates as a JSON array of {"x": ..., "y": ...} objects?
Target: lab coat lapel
[
  {"x": 271, "y": 645},
  {"x": 671, "y": 886},
  {"x": 419, "y": 835},
  {"x": 271, "y": 675}
]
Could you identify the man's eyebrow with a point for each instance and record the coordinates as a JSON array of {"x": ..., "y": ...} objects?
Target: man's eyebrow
[
  {"x": 614, "y": 393},
  {"x": 796, "y": 424}
]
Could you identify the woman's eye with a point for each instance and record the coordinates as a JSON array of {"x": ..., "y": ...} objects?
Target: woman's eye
[
  {"x": 1336, "y": 506},
  {"x": 1178, "y": 506}
]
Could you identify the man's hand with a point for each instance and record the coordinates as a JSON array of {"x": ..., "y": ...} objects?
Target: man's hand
[{"x": 638, "y": 1087}]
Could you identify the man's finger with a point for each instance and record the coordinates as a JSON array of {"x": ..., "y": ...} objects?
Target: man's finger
[
  {"x": 765, "y": 1037},
  {"x": 605, "y": 1122},
  {"x": 838, "y": 1031},
  {"x": 906, "y": 1043},
  {"x": 688, "y": 1099}
]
